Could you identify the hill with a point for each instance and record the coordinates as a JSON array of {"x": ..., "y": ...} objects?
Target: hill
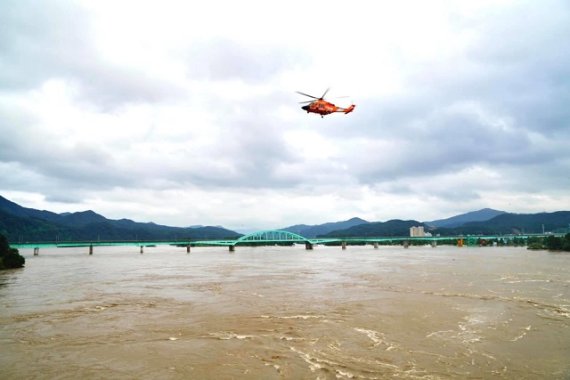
[
  {"x": 459, "y": 220},
  {"x": 509, "y": 223},
  {"x": 323, "y": 229},
  {"x": 504, "y": 223},
  {"x": 21, "y": 224},
  {"x": 395, "y": 227}
]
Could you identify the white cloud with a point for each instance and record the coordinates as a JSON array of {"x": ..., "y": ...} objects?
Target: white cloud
[{"x": 186, "y": 114}]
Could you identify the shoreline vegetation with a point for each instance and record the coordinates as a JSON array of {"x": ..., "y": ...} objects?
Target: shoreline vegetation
[
  {"x": 551, "y": 243},
  {"x": 10, "y": 258}
]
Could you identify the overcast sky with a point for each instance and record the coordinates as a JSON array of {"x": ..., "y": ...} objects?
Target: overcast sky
[{"x": 185, "y": 113}]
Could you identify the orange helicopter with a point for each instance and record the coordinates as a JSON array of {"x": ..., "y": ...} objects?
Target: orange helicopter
[{"x": 323, "y": 107}]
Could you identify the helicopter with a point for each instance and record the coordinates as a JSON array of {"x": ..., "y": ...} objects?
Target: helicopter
[{"x": 323, "y": 107}]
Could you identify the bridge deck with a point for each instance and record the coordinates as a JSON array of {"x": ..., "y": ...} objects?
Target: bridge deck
[{"x": 259, "y": 240}]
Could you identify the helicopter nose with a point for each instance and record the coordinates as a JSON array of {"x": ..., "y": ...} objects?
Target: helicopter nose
[{"x": 306, "y": 108}]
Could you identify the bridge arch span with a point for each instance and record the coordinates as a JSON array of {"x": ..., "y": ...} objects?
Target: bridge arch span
[{"x": 268, "y": 236}]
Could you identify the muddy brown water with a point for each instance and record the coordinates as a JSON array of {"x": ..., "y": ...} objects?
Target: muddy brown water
[{"x": 287, "y": 313}]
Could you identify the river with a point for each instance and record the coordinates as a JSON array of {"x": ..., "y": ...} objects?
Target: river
[{"x": 286, "y": 313}]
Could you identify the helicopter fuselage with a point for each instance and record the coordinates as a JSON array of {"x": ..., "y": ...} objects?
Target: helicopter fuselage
[{"x": 322, "y": 107}]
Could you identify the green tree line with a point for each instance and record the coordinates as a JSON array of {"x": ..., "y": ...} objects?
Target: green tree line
[{"x": 552, "y": 243}]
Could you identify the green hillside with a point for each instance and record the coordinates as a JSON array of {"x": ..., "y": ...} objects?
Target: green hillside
[
  {"x": 502, "y": 224},
  {"x": 394, "y": 227},
  {"x": 21, "y": 224}
]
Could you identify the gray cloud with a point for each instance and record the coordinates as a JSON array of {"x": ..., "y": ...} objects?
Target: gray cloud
[
  {"x": 38, "y": 41},
  {"x": 226, "y": 59},
  {"x": 54, "y": 164},
  {"x": 498, "y": 108},
  {"x": 42, "y": 41},
  {"x": 502, "y": 104}
]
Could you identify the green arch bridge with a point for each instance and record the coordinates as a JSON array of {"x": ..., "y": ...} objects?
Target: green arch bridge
[{"x": 280, "y": 237}]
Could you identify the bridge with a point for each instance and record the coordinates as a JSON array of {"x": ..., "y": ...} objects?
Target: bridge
[
  {"x": 280, "y": 237},
  {"x": 267, "y": 237},
  {"x": 271, "y": 237}
]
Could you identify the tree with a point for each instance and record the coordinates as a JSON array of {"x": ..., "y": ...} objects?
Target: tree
[
  {"x": 4, "y": 246},
  {"x": 9, "y": 257},
  {"x": 566, "y": 242},
  {"x": 553, "y": 243}
]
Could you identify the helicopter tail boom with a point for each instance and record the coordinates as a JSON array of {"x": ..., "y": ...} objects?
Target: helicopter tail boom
[{"x": 349, "y": 109}]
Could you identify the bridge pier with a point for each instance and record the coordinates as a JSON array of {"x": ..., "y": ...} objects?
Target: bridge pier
[
  {"x": 36, "y": 251},
  {"x": 90, "y": 249},
  {"x": 188, "y": 248},
  {"x": 343, "y": 245},
  {"x": 232, "y": 248},
  {"x": 375, "y": 245},
  {"x": 308, "y": 246}
]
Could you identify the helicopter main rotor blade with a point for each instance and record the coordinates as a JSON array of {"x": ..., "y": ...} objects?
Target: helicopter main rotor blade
[
  {"x": 306, "y": 101},
  {"x": 310, "y": 96},
  {"x": 325, "y": 93}
]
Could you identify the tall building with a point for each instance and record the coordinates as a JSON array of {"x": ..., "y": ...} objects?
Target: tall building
[{"x": 417, "y": 231}]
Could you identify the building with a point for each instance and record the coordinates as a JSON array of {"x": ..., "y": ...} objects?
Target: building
[{"x": 417, "y": 231}]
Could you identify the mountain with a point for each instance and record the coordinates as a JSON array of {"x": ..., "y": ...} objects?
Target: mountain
[
  {"x": 17, "y": 210},
  {"x": 504, "y": 223},
  {"x": 82, "y": 218},
  {"x": 323, "y": 229},
  {"x": 14, "y": 227},
  {"x": 395, "y": 227},
  {"x": 19, "y": 223},
  {"x": 473, "y": 216},
  {"x": 509, "y": 223}
]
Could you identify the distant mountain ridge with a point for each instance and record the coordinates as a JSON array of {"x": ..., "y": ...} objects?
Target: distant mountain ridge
[
  {"x": 505, "y": 223},
  {"x": 360, "y": 227},
  {"x": 508, "y": 223},
  {"x": 323, "y": 229},
  {"x": 394, "y": 227},
  {"x": 473, "y": 216},
  {"x": 19, "y": 223}
]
